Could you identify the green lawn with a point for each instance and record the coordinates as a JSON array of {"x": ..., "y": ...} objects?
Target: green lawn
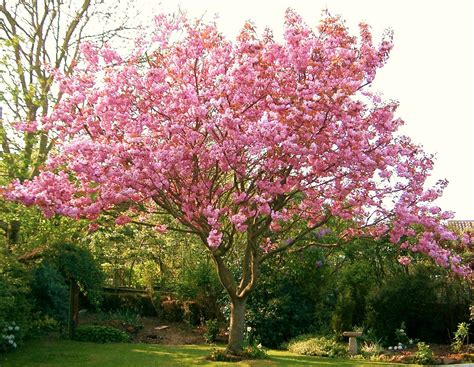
[{"x": 49, "y": 353}]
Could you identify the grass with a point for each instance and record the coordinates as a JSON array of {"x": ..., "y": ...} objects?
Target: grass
[{"x": 55, "y": 353}]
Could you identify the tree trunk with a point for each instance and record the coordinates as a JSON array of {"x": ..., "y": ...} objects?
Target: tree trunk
[
  {"x": 237, "y": 325},
  {"x": 73, "y": 308}
]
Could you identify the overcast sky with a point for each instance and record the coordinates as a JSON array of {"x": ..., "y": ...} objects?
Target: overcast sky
[{"x": 430, "y": 70}]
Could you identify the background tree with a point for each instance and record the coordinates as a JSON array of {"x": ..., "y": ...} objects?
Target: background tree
[
  {"x": 36, "y": 38},
  {"x": 252, "y": 146}
]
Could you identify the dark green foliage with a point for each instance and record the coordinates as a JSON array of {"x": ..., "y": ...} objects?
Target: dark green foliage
[
  {"x": 77, "y": 264},
  {"x": 317, "y": 346},
  {"x": 417, "y": 300},
  {"x": 101, "y": 334},
  {"x": 15, "y": 300},
  {"x": 51, "y": 292},
  {"x": 198, "y": 281},
  {"x": 61, "y": 264},
  {"x": 212, "y": 330},
  {"x": 117, "y": 300},
  {"x": 282, "y": 305}
]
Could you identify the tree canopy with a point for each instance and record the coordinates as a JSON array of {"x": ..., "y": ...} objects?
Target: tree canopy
[{"x": 252, "y": 145}]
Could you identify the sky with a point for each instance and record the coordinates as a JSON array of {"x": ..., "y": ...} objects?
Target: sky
[{"x": 430, "y": 71}]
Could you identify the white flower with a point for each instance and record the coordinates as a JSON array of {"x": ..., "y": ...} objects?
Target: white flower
[
  {"x": 17, "y": 328},
  {"x": 10, "y": 328},
  {"x": 395, "y": 348},
  {"x": 400, "y": 344},
  {"x": 14, "y": 345},
  {"x": 249, "y": 329},
  {"x": 10, "y": 341},
  {"x": 410, "y": 341},
  {"x": 259, "y": 346},
  {"x": 402, "y": 331},
  {"x": 390, "y": 348}
]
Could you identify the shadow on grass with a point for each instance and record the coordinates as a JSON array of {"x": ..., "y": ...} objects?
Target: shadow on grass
[{"x": 56, "y": 353}]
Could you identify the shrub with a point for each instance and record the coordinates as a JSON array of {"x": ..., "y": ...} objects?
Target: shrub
[
  {"x": 460, "y": 337},
  {"x": 401, "y": 335},
  {"x": 50, "y": 292},
  {"x": 254, "y": 351},
  {"x": 127, "y": 317},
  {"x": 9, "y": 337},
  {"x": 282, "y": 305},
  {"x": 77, "y": 263},
  {"x": 15, "y": 300},
  {"x": 212, "y": 330},
  {"x": 424, "y": 354},
  {"x": 221, "y": 355},
  {"x": 101, "y": 334},
  {"x": 400, "y": 299},
  {"x": 317, "y": 346},
  {"x": 43, "y": 324}
]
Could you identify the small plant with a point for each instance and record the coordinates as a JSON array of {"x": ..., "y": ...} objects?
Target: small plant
[
  {"x": 212, "y": 330},
  {"x": 252, "y": 348},
  {"x": 424, "y": 354},
  {"x": 8, "y": 337},
  {"x": 44, "y": 324},
  {"x": 221, "y": 355},
  {"x": 317, "y": 346},
  {"x": 370, "y": 348},
  {"x": 101, "y": 334},
  {"x": 123, "y": 317},
  {"x": 460, "y": 337},
  {"x": 254, "y": 351},
  {"x": 401, "y": 336}
]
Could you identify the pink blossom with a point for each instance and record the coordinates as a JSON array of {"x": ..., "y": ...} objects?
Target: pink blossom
[
  {"x": 222, "y": 134},
  {"x": 404, "y": 260},
  {"x": 161, "y": 228},
  {"x": 214, "y": 239},
  {"x": 93, "y": 227},
  {"x": 122, "y": 220}
]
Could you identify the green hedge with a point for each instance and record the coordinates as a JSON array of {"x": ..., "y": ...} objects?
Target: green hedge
[{"x": 101, "y": 334}]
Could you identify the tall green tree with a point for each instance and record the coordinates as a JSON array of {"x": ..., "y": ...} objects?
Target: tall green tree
[{"x": 37, "y": 37}]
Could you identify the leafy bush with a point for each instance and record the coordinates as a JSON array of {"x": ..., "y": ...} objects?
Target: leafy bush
[
  {"x": 371, "y": 349},
  {"x": 401, "y": 335},
  {"x": 283, "y": 304},
  {"x": 460, "y": 337},
  {"x": 221, "y": 355},
  {"x": 317, "y": 346},
  {"x": 101, "y": 334},
  {"x": 212, "y": 330},
  {"x": 424, "y": 354},
  {"x": 248, "y": 352},
  {"x": 43, "y": 324},
  {"x": 61, "y": 264},
  {"x": 51, "y": 292},
  {"x": 252, "y": 350},
  {"x": 402, "y": 297},
  {"x": 119, "y": 302},
  {"x": 15, "y": 300},
  {"x": 9, "y": 337},
  {"x": 127, "y": 317},
  {"x": 78, "y": 264}
]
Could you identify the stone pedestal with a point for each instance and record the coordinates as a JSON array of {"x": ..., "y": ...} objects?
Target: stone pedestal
[{"x": 352, "y": 341}]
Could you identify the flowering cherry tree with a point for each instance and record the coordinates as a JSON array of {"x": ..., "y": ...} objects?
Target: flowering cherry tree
[{"x": 251, "y": 145}]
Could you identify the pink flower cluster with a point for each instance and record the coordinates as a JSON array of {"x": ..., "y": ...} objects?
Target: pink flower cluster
[{"x": 246, "y": 136}]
